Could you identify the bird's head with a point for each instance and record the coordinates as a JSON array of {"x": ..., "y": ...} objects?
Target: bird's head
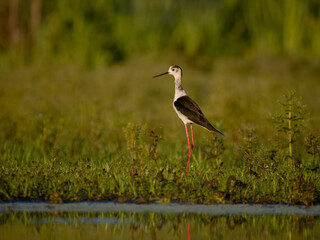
[{"x": 174, "y": 70}]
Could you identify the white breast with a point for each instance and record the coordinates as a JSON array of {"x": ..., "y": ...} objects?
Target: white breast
[
  {"x": 183, "y": 118},
  {"x": 179, "y": 93}
]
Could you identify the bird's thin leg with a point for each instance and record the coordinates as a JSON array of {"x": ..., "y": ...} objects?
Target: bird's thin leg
[
  {"x": 188, "y": 229},
  {"x": 191, "y": 137},
  {"x": 189, "y": 150},
  {"x": 192, "y": 144}
]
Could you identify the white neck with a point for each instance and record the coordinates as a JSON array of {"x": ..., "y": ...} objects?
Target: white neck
[{"x": 179, "y": 92}]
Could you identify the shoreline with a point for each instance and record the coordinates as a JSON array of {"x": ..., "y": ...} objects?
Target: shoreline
[{"x": 108, "y": 207}]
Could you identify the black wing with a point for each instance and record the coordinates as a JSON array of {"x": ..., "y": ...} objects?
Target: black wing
[{"x": 192, "y": 111}]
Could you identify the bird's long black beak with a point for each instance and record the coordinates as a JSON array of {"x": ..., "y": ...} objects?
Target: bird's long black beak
[{"x": 160, "y": 74}]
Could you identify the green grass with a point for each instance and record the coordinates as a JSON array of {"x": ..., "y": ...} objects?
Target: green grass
[{"x": 68, "y": 134}]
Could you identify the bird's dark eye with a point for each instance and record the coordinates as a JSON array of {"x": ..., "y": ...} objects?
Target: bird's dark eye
[{"x": 173, "y": 69}]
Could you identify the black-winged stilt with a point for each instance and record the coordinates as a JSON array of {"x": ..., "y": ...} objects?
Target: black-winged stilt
[{"x": 188, "y": 111}]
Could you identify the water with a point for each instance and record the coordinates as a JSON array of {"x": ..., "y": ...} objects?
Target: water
[{"x": 151, "y": 225}]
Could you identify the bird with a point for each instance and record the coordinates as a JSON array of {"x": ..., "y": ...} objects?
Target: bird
[{"x": 187, "y": 109}]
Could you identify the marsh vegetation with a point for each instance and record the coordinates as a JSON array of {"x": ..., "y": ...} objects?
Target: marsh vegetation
[
  {"x": 69, "y": 135},
  {"x": 82, "y": 119}
]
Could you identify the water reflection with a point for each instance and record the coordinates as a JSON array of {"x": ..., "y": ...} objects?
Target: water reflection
[
  {"x": 156, "y": 226},
  {"x": 188, "y": 229}
]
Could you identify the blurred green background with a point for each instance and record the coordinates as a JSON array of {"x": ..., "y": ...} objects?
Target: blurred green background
[
  {"x": 91, "y": 62},
  {"x": 108, "y": 31},
  {"x": 73, "y": 74}
]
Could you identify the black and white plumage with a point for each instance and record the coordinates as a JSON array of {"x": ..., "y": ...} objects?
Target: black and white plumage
[{"x": 187, "y": 109}]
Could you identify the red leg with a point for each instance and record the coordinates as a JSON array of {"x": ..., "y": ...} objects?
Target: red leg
[
  {"x": 191, "y": 137},
  {"x": 188, "y": 229},
  {"x": 189, "y": 150},
  {"x": 192, "y": 144}
]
